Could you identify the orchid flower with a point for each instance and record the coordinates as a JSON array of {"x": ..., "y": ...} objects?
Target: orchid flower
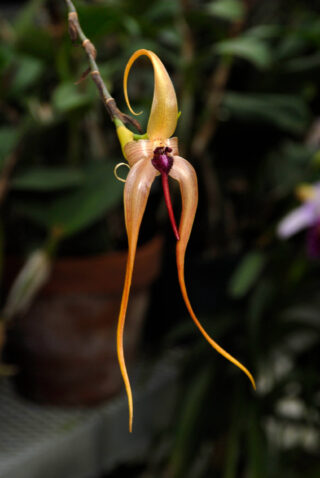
[
  {"x": 306, "y": 216},
  {"x": 157, "y": 155}
]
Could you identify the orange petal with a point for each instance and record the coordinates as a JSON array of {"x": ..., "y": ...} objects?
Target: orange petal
[
  {"x": 164, "y": 110},
  {"x": 136, "y": 193},
  {"x": 183, "y": 172}
]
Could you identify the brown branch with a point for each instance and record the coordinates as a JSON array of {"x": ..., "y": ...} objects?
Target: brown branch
[
  {"x": 216, "y": 86},
  {"x": 76, "y": 33}
]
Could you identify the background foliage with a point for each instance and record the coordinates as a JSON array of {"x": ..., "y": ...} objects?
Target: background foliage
[{"x": 247, "y": 75}]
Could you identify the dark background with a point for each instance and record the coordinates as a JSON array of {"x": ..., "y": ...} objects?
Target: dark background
[{"x": 247, "y": 78}]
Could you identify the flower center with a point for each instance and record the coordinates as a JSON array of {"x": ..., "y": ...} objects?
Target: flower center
[{"x": 162, "y": 159}]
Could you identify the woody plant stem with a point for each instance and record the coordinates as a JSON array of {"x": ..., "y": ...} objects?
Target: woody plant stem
[{"x": 76, "y": 33}]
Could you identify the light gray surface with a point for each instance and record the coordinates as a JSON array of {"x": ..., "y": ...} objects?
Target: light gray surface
[{"x": 38, "y": 442}]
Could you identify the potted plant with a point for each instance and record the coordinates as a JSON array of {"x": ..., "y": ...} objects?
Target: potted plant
[{"x": 64, "y": 213}]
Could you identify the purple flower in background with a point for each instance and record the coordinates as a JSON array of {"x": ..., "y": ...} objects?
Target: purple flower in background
[{"x": 306, "y": 216}]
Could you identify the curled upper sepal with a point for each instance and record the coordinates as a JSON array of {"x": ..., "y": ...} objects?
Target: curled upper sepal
[
  {"x": 136, "y": 193},
  {"x": 164, "y": 110},
  {"x": 184, "y": 173}
]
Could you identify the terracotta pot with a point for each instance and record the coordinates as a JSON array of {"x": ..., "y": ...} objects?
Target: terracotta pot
[{"x": 65, "y": 346}]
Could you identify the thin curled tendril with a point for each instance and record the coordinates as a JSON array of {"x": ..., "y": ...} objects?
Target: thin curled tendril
[{"x": 116, "y": 173}]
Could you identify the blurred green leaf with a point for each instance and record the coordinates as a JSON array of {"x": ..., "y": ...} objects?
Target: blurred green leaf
[
  {"x": 234, "y": 440},
  {"x": 28, "y": 72},
  {"x": 246, "y": 274},
  {"x": 38, "y": 43},
  {"x": 252, "y": 49},
  {"x": 257, "y": 456},
  {"x": 6, "y": 55},
  {"x": 303, "y": 63},
  {"x": 185, "y": 439},
  {"x": 9, "y": 137},
  {"x": 68, "y": 96},
  {"x": 309, "y": 30},
  {"x": 263, "y": 32},
  {"x": 100, "y": 19},
  {"x": 226, "y": 9},
  {"x": 164, "y": 9},
  {"x": 47, "y": 179},
  {"x": 74, "y": 211},
  {"x": 290, "y": 46},
  {"x": 25, "y": 15},
  {"x": 259, "y": 300},
  {"x": 131, "y": 25},
  {"x": 289, "y": 165},
  {"x": 171, "y": 38},
  {"x": 288, "y": 112}
]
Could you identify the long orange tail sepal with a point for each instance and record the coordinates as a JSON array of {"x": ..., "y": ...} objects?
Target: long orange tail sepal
[
  {"x": 213, "y": 344},
  {"x": 120, "y": 328},
  {"x": 136, "y": 193},
  {"x": 184, "y": 173}
]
